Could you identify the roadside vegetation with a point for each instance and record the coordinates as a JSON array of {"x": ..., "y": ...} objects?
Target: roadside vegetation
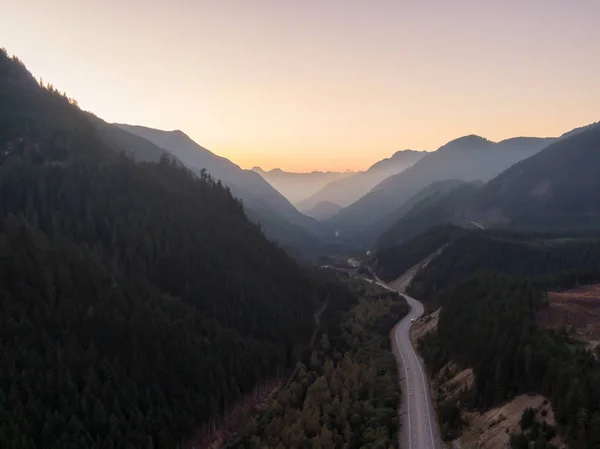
[
  {"x": 345, "y": 394},
  {"x": 533, "y": 430}
]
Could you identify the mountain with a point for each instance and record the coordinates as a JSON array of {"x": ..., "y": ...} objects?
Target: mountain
[
  {"x": 348, "y": 189},
  {"x": 133, "y": 145},
  {"x": 264, "y": 203},
  {"x": 299, "y": 186},
  {"x": 138, "y": 301},
  {"x": 323, "y": 210},
  {"x": 445, "y": 204},
  {"x": 579, "y": 130},
  {"x": 468, "y": 158},
  {"x": 558, "y": 188},
  {"x": 370, "y": 235}
]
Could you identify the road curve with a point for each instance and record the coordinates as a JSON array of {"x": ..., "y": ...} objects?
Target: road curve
[{"x": 419, "y": 425}]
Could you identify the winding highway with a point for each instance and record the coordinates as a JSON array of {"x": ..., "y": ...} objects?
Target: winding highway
[{"x": 419, "y": 425}]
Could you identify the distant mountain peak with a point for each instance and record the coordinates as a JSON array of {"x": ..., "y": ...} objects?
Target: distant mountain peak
[
  {"x": 401, "y": 153},
  {"x": 468, "y": 142},
  {"x": 401, "y": 156},
  {"x": 580, "y": 129}
]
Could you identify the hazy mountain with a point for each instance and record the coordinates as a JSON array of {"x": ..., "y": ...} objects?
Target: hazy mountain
[
  {"x": 445, "y": 205},
  {"x": 348, "y": 189},
  {"x": 324, "y": 210},
  {"x": 468, "y": 158},
  {"x": 256, "y": 193},
  {"x": 579, "y": 130},
  {"x": 299, "y": 186},
  {"x": 556, "y": 188},
  {"x": 121, "y": 140},
  {"x": 421, "y": 211}
]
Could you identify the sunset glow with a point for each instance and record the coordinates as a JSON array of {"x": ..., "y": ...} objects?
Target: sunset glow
[{"x": 327, "y": 85}]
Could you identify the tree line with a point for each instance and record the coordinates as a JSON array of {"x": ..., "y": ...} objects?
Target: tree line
[{"x": 548, "y": 260}]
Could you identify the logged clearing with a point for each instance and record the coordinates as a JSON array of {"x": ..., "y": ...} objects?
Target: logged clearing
[
  {"x": 577, "y": 310},
  {"x": 492, "y": 429},
  {"x": 424, "y": 325},
  {"x": 402, "y": 282}
]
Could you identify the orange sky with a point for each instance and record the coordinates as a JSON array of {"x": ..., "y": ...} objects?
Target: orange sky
[{"x": 319, "y": 84}]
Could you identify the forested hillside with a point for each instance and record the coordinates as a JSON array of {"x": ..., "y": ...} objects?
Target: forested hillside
[
  {"x": 263, "y": 204},
  {"x": 557, "y": 188},
  {"x": 390, "y": 262},
  {"x": 346, "y": 393},
  {"x": 551, "y": 260},
  {"x": 138, "y": 302},
  {"x": 490, "y": 288},
  {"x": 488, "y": 323}
]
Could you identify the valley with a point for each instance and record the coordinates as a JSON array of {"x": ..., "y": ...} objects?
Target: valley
[{"x": 154, "y": 294}]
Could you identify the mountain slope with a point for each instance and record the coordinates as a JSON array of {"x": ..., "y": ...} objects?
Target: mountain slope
[
  {"x": 468, "y": 158},
  {"x": 293, "y": 238},
  {"x": 446, "y": 205},
  {"x": 349, "y": 189},
  {"x": 531, "y": 255},
  {"x": 121, "y": 140},
  {"x": 558, "y": 188},
  {"x": 138, "y": 300},
  {"x": 371, "y": 234},
  {"x": 299, "y": 186},
  {"x": 324, "y": 210},
  {"x": 520, "y": 198},
  {"x": 274, "y": 210}
]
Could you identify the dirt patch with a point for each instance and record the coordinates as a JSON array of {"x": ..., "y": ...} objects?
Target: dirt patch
[
  {"x": 463, "y": 379},
  {"x": 424, "y": 325},
  {"x": 492, "y": 429},
  {"x": 576, "y": 310},
  {"x": 405, "y": 279},
  {"x": 492, "y": 216},
  {"x": 451, "y": 381}
]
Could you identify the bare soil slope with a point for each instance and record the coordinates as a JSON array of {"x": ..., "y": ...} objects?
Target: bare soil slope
[
  {"x": 577, "y": 310},
  {"x": 492, "y": 429}
]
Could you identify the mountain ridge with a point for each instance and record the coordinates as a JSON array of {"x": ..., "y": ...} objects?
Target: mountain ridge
[
  {"x": 256, "y": 193},
  {"x": 296, "y": 187},
  {"x": 346, "y": 190},
  {"x": 468, "y": 158},
  {"x": 552, "y": 189},
  {"x": 323, "y": 210}
]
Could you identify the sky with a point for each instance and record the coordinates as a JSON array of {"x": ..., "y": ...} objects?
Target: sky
[{"x": 319, "y": 84}]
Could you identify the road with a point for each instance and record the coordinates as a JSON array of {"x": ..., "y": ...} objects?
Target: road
[{"x": 419, "y": 425}]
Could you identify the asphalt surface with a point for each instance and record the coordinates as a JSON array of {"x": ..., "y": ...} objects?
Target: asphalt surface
[{"x": 419, "y": 426}]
